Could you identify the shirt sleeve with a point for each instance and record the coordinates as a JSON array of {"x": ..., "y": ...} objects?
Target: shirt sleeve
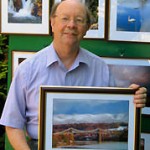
[{"x": 14, "y": 110}]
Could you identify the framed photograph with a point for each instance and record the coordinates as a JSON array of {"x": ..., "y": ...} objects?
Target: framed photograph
[
  {"x": 25, "y": 17},
  {"x": 88, "y": 118},
  {"x": 97, "y": 8},
  {"x": 125, "y": 71},
  {"x": 145, "y": 141},
  {"x": 18, "y": 57},
  {"x": 146, "y": 111},
  {"x": 129, "y": 21}
]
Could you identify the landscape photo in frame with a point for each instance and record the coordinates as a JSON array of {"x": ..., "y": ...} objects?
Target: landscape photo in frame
[
  {"x": 25, "y": 17},
  {"x": 91, "y": 118},
  {"x": 126, "y": 71}
]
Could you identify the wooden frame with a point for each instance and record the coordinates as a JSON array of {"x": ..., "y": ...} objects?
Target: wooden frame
[
  {"x": 64, "y": 109},
  {"x": 26, "y": 18},
  {"x": 97, "y": 29},
  {"x": 128, "y": 21}
]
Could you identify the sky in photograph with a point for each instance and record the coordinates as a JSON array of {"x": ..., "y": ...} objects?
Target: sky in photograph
[
  {"x": 89, "y": 111},
  {"x": 125, "y": 75}
]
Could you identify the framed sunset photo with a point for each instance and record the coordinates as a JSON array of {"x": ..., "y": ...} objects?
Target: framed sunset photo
[{"x": 125, "y": 71}]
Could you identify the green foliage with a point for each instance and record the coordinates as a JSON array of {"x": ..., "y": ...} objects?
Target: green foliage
[
  {"x": 3, "y": 66},
  {"x": 3, "y": 80}
]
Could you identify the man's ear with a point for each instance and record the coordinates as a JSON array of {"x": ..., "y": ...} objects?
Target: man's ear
[
  {"x": 86, "y": 29},
  {"x": 52, "y": 22}
]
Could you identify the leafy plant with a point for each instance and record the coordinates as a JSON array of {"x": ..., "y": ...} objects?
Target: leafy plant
[{"x": 3, "y": 80}]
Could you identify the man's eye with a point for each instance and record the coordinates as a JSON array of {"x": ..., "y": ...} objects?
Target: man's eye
[
  {"x": 64, "y": 19},
  {"x": 80, "y": 21}
]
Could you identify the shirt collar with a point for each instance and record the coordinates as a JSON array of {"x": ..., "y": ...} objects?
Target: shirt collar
[
  {"x": 52, "y": 56},
  {"x": 83, "y": 57}
]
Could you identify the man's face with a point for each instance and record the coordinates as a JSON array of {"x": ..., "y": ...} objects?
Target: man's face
[{"x": 69, "y": 24}]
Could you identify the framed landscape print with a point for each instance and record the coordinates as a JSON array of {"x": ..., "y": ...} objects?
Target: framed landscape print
[
  {"x": 18, "y": 57},
  {"x": 88, "y": 118},
  {"x": 125, "y": 71},
  {"x": 25, "y": 17},
  {"x": 129, "y": 21},
  {"x": 97, "y": 9}
]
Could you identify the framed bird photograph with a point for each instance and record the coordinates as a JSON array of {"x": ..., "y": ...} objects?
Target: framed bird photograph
[{"x": 129, "y": 20}]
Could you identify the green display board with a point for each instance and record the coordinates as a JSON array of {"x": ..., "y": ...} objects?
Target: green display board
[{"x": 97, "y": 46}]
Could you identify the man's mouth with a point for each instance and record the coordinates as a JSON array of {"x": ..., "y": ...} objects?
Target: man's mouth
[{"x": 71, "y": 33}]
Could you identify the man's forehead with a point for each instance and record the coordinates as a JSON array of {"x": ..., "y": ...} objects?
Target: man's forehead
[{"x": 68, "y": 3}]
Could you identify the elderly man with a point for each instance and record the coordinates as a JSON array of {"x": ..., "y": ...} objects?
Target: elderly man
[{"x": 65, "y": 63}]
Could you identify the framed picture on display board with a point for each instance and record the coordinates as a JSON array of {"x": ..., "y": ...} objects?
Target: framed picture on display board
[
  {"x": 145, "y": 141},
  {"x": 126, "y": 71},
  {"x": 19, "y": 56},
  {"x": 129, "y": 21},
  {"x": 97, "y": 9},
  {"x": 25, "y": 17},
  {"x": 91, "y": 118}
]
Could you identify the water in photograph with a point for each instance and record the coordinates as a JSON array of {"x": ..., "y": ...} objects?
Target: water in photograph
[
  {"x": 133, "y": 15},
  {"x": 104, "y": 145},
  {"x": 24, "y": 14}
]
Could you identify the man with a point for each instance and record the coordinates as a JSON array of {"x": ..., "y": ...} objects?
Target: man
[{"x": 61, "y": 63}]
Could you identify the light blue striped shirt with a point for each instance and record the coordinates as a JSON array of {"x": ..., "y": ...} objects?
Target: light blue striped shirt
[{"x": 45, "y": 68}]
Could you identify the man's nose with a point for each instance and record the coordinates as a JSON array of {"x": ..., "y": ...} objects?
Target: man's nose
[{"x": 72, "y": 23}]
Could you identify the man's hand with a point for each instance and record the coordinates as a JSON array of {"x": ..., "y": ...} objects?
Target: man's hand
[{"x": 140, "y": 95}]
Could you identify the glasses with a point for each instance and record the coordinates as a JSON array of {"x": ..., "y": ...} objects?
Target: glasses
[{"x": 78, "y": 20}]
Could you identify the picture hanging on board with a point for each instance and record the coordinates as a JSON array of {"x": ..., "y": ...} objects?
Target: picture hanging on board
[
  {"x": 145, "y": 141},
  {"x": 129, "y": 21},
  {"x": 126, "y": 71},
  {"x": 19, "y": 56},
  {"x": 97, "y": 9},
  {"x": 25, "y": 17},
  {"x": 91, "y": 118}
]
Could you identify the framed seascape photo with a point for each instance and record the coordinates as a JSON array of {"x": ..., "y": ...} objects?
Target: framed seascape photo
[
  {"x": 145, "y": 141},
  {"x": 88, "y": 118},
  {"x": 25, "y": 17},
  {"x": 97, "y": 9},
  {"x": 129, "y": 20},
  {"x": 18, "y": 57},
  {"x": 125, "y": 71}
]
